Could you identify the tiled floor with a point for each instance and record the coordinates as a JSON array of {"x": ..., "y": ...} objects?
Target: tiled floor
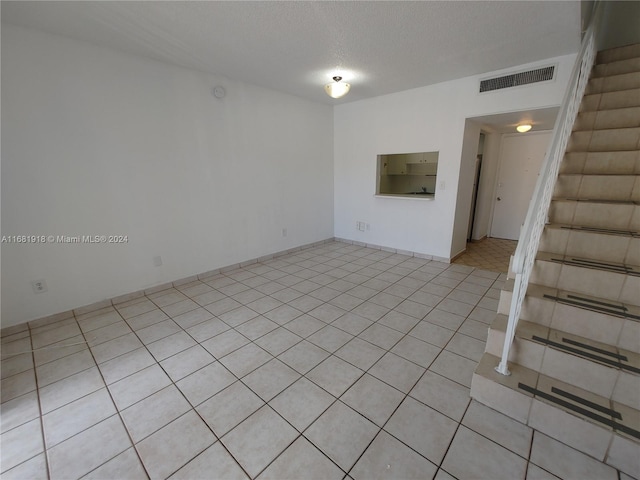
[
  {"x": 337, "y": 361},
  {"x": 488, "y": 254}
]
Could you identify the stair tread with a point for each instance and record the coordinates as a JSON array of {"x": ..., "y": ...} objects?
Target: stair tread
[
  {"x": 616, "y": 267},
  {"x": 596, "y": 200},
  {"x": 588, "y": 349},
  {"x": 586, "y": 229},
  {"x": 600, "y": 174},
  {"x": 581, "y": 300},
  {"x": 589, "y": 406}
]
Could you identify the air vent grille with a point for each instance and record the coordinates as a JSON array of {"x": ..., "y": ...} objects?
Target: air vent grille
[{"x": 516, "y": 79}]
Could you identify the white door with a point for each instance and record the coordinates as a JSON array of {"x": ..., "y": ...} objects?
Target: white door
[{"x": 521, "y": 158}]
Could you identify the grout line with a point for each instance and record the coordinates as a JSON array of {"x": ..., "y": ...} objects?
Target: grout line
[{"x": 44, "y": 442}]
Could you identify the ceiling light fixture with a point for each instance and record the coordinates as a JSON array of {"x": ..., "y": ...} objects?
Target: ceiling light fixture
[
  {"x": 525, "y": 127},
  {"x": 338, "y": 88}
]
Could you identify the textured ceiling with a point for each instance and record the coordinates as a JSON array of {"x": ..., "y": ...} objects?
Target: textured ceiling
[{"x": 296, "y": 47}]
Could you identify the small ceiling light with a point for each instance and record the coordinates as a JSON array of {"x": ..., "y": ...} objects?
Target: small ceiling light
[
  {"x": 337, "y": 89},
  {"x": 523, "y": 128}
]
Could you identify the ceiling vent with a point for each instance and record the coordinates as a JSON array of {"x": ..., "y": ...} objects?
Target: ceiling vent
[{"x": 517, "y": 79}]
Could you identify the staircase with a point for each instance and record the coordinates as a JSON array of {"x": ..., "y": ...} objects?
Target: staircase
[{"x": 575, "y": 360}]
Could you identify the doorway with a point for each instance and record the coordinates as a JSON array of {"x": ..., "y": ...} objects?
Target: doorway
[{"x": 521, "y": 157}]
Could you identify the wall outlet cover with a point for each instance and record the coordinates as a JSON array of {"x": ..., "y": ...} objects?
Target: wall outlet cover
[{"x": 39, "y": 286}]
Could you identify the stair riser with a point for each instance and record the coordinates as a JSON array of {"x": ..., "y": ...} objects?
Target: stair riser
[
  {"x": 568, "y": 368},
  {"x": 571, "y": 430},
  {"x": 616, "y": 68},
  {"x": 591, "y": 245},
  {"x": 618, "y": 54},
  {"x": 608, "y": 119},
  {"x": 598, "y": 215},
  {"x": 611, "y": 100},
  {"x": 607, "y": 163},
  {"x": 598, "y": 187},
  {"x": 612, "y": 140},
  {"x": 613, "y": 83},
  {"x": 588, "y": 281}
]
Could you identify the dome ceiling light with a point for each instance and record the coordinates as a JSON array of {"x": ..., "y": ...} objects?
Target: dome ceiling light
[
  {"x": 525, "y": 127},
  {"x": 338, "y": 88}
]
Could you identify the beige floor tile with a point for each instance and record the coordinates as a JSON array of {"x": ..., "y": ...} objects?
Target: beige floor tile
[
  {"x": 352, "y": 323},
  {"x": 154, "y": 412},
  {"x": 454, "y": 367},
  {"x": 442, "y": 394},
  {"x": 565, "y": 462},
  {"x": 425, "y": 430},
  {"x": 245, "y": 359},
  {"x": 168, "y": 346},
  {"x": 433, "y": 334},
  {"x": 497, "y": 427},
  {"x": 77, "y": 416},
  {"x": 20, "y": 444},
  {"x": 334, "y": 375},
  {"x": 89, "y": 449},
  {"x": 33, "y": 469},
  {"x": 225, "y": 343},
  {"x": 214, "y": 462},
  {"x": 125, "y": 465},
  {"x": 278, "y": 341},
  {"x": 397, "y": 372},
  {"x": 125, "y": 365},
  {"x": 470, "y": 455},
  {"x": 373, "y": 399},
  {"x": 304, "y": 325},
  {"x": 301, "y": 403},
  {"x": 303, "y": 356},
  {"x": 116, "y": 347},
  {"x": 174, "y": 445},
  {"x": 18, "y": 411},
  {"x": 416, "y": 351},
  {"x": 205, "y": 383},
  {"x": 386, "y": 458},
  {"x": 342, "y": 434},
  {"x": 257, "y": 441},
  {"x": 270, "y": 379},
  {"x": 228, "y": 408},
  {"x": 256, "y": 327},
  {"x": 69, "y": 389},
  {"x": 16, "y": 364},
  {"x": 138, "y": 386},
  {"x": 57, "y": 370},
  {"x": 302, "y": 460}
]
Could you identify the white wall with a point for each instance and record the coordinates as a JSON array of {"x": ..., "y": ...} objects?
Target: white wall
[
  {"x": 466, "y": 177},
  {"x": 620, "y": 24},
  {"x": 100, "y": 142},
  {"x": 423, "y": 119}
]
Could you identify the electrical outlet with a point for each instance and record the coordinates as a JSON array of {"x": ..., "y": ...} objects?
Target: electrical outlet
[
  {"x": 157, "y": 261},
  {"x": 284, "y": 232},
  {"x": 361, "y": 226},
  {"x": 39, "y": 286}
]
